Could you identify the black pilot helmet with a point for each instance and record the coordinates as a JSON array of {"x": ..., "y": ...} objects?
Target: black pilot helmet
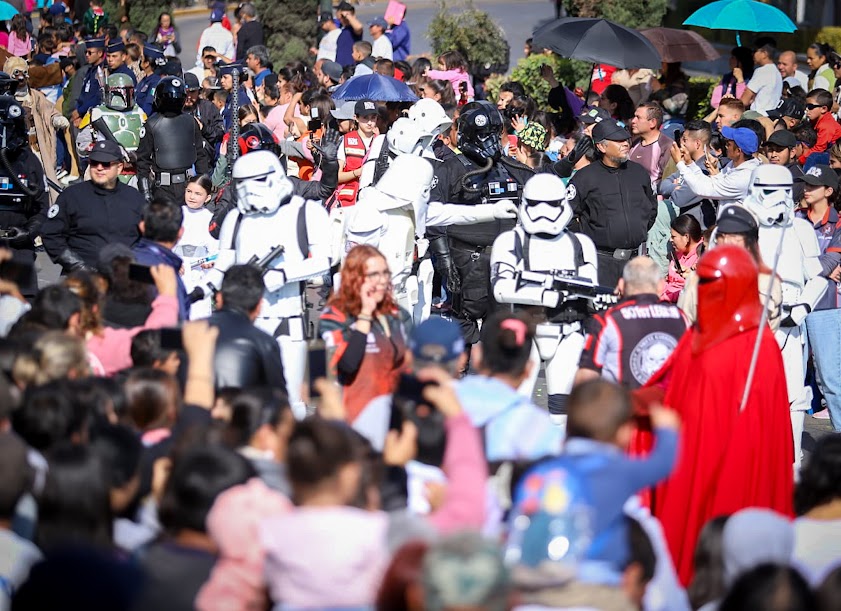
[
  {"x": 170, "y": 94},
  {"x": 479, "y": 132}
]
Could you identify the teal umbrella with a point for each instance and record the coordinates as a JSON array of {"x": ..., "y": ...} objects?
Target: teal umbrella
[
  {"x": 7, "y": 11},
  {"x": 741, "y": 15}
]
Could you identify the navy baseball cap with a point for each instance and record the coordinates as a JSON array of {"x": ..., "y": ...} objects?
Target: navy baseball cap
[
  {"x": 820, "y": 176},
  {"x": 380, "y": 21},
  {"x": 217, "y": 14},
  {"x": 744, "y": 138},
  {"x": 436, "y": 340}
]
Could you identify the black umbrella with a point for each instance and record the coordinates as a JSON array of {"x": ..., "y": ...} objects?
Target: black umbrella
[{"x": 598, "y": 41}]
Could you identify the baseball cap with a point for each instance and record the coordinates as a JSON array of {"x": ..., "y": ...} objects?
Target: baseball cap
[
  {"x": 821, "y": 176},
  {"x": 106, "y": 151},
  {"x": 217, "y": 14},
  {"x": 191, "y": 81},
  {"x": 788, "y": 107},
  {"x": 436, "y": 340},
  {"x": 344, "y": 112},
  {"x": 57, "y": 8},
  {"x": 364, "y": 107},
  {"x": 380, "y": 21},
  {"x": 744, "y": 138},
  {"x": 325, "y": 17},
  {"x": 783, "y": 138},
  {"x": 735, "y": 218},
  {"x": 111, "y": 251},
  {"x": 333, "y": 70},
  {"x": 589, "y": 116},
  {"x": 610, "y": 129}
]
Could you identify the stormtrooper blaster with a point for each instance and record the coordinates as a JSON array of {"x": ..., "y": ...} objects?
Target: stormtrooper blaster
[
  {"x": 570, "y": 287},
  {"x": 264, "y": 265}
]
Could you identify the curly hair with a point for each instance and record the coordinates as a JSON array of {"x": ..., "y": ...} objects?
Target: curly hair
[
  {"x": 347, "y": 298},
  {"x": 820, "y": 478}
]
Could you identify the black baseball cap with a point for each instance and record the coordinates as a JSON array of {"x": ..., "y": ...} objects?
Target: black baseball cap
[
  {"x": 589, "y": 116},
  {"x": 106, "y": 151},
  {"x": 783, "y": 138},
  {"x": 821, "y": 176},
  {"x": 611, "y": 129},
  {"x": 735, "y": 218},
  {"x": 364, "y": 108},
  {"x": 191, "y": 82},
  {"x": 788, "y": 107}
]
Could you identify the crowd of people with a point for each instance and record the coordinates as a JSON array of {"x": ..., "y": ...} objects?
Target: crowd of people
[{"x": 292, "y": 357}]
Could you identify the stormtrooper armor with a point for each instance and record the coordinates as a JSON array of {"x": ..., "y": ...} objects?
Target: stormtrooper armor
[
  {"x": 770, "y": 198},
  {"x": 430, "y": 116},
  {"x": 267, "y": 216},
  {"x": 541, "y": 246},
  {"x": 403, "y": 137}
]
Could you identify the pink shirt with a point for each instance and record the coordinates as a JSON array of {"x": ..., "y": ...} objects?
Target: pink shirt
[
  {"x": 113, "y": 347},
  {"x": 455, "y": 77},
  {"x": 674, "y": 281}
]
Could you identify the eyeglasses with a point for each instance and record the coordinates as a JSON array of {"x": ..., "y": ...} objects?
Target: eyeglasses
[
  {"x": 89, "y": 52},
  {"x": 386, "y": 275},
  {"x": 103, "y": 164}
]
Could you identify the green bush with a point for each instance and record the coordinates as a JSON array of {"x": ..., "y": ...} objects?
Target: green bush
[
  {"x": 289, "y": 28},
  {"x": 700, "y": 91},
  {"x": 143, "y": 14},
  {"x": 630, "y": 13},
  {"x": 831, "y": 36},
  {"x": 469, "y": 31}
]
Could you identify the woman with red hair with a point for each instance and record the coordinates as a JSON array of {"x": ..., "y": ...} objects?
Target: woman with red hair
[{"x": 361, "y": 324}]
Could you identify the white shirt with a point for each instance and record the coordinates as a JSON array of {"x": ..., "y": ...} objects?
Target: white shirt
[
  {"x": 382, "y": 48},
  {"x": 216, "y": 36},
  {"x": 327, "y": 46},
  {"x": 803, "y": 79},
  {"x": 817, "y": 547},
  {"x": 196, "y": 243},
  {"x": 730, "y": 186},
  {"x": 767, "y": 84}
]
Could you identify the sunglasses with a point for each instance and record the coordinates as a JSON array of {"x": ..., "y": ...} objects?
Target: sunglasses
[
  {"x": 813, "y": 106},
  {"x": 103, "y": 164}
]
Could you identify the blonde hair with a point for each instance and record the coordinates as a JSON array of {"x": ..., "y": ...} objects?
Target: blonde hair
[{"x": 54, "y": 356}]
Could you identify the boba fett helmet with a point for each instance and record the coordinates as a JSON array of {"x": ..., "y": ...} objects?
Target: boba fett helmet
[{"x": 119, "y": 92}]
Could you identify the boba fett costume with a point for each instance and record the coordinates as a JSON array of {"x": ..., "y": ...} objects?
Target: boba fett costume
[{"x": 119, "y": 119}]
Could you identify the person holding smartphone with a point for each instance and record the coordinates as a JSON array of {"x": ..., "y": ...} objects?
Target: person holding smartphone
[{"x": 362, "y": 327}]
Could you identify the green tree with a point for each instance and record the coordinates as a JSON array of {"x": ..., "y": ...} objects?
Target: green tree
[
  {"x": 472, "y": 33},
  {"x": 630, "y": 13},
  {"x": 290, "y": 28},
  {"x": 143, "y": 14}
]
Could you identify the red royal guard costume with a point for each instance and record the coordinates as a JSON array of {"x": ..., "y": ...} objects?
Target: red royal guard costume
[{"x": 727, "y": 459}]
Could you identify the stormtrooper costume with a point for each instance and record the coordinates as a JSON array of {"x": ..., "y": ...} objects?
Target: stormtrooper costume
[
  {"x": 792, "y": 243},
  {"x": 390, "y": 216},
  {"x": 268, "y": 215},
  {"x": 540, "y": 244}
]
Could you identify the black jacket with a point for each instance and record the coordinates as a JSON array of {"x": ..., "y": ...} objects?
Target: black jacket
[
  {"x": 85, "y": 218},
  {"x": 615, "y": 207},
  {"x": 245, "y": 356},
  {"x": 250, "y": 34}
]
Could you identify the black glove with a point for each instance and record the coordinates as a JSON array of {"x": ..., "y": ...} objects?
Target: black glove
[
  {"x": 71, "y": 262},
  {"x": 145, "y": 189},
  {"x": 443, "y": 263},
  {"x": 565, "y": 166},
  {"x": 328, "y": 148},
  {"x": 18, "y": 237}
]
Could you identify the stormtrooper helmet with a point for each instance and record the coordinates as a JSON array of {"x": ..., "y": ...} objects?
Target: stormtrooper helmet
[
  {"x": 770, "y": 195},
  {"x": 405, "y": 137},
  {"x": 260, "y": 182},
  {"x": 407, "y": 179},
  {"x": 544, "y": 209},
  {"x": 430, "y": 116}
]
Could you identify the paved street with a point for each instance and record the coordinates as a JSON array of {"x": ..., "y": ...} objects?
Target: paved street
[{"x": 518, "y": 20}]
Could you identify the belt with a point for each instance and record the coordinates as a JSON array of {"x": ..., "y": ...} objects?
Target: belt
[
  {"x": 462, "y": 245},
  {"x": 623, "y": 254},
  {"x": 165, "y": 179}
]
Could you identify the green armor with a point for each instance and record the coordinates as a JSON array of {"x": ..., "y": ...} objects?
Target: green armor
[{"x": 127, "y": 126}]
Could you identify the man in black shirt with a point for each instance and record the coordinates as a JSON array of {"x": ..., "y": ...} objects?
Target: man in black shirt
[
  {"x": 245, "y": 356},
  {"x": 250, "y": 33},
  {"x": 613, "y": 201}
]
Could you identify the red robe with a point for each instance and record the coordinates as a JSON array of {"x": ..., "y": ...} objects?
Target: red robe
[{"x": 727, "y": 460}]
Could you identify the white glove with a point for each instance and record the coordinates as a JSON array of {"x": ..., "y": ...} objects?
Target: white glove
[
  {"x": 505, "y": 209},
  {"x": 550, "y": 299},
  {"x": 798, "y": 314},
  {"x": 60, "y": 122}
]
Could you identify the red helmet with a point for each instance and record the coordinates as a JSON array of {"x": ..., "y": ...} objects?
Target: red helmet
[{"x": 728, "y": 296}]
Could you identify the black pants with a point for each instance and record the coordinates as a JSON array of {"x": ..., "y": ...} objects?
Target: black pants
[
  {"x": 610, "y": 269},
  {"x": 475, "y": 301},
  {"x": 173, "y": 192}
]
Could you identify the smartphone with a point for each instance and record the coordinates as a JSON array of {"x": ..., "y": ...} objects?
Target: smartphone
[
  {"x": 171, "y": 338},
  {"x": 313, "y": 125},
  {"x": 408, "y": 404},
  {"x": 678, "y": 136},
  {"x": 140, "y": 273},
  {"x": 316, "y": 365}
]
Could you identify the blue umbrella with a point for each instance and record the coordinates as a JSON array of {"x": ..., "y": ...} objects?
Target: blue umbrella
[
  {"x": 374, "y": 87},
  {"x": 741, "y": 15},
  {"x": 7, "y": 11}
]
